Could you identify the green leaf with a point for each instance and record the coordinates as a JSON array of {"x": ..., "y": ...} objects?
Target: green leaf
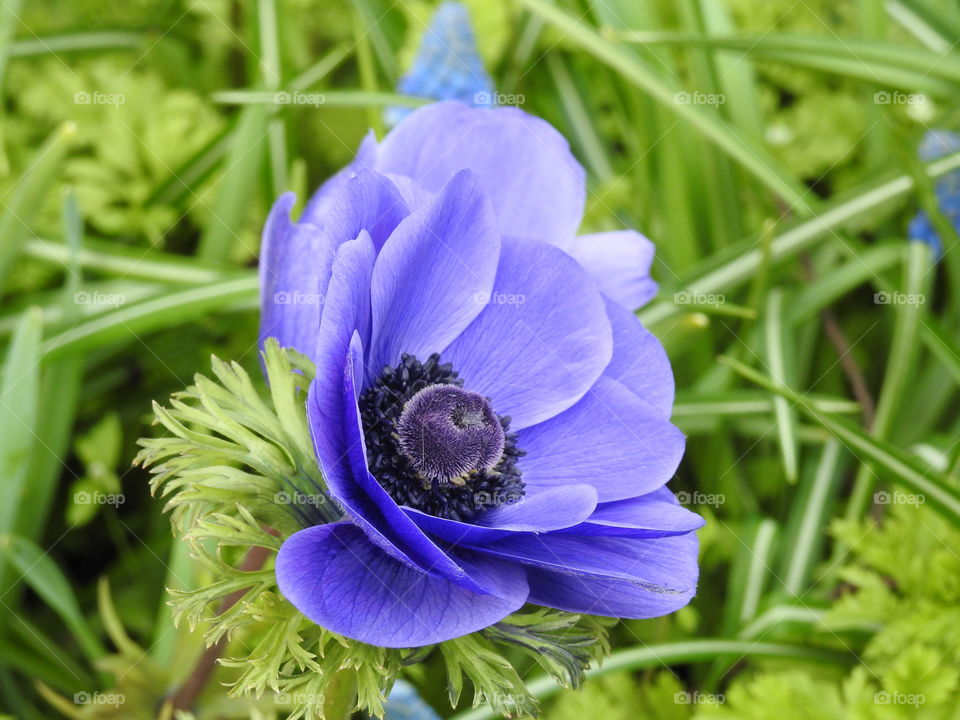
[
  {"x": 934, "y": 487},
  {"x": 238, "y": 184},
  {"x": 19, "y": 395},
  {"x": 751, "y": 156},
  {"x": 28, "y": 196},
  {"x": 777, "y": 337},
  {"x": 39, "y": 571}
]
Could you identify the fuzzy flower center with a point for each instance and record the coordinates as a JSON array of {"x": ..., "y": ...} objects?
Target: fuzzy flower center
[
  {"x": 435, "y": 446},
  {"x": 446, "y": 431}
]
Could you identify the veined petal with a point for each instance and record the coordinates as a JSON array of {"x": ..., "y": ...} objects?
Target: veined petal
[
  {"x": 610, "y": 439},
  {"x": 367, "y": 201},
  {"x": 639, "y": 361},
  {"x": 336, "y": 577},
  {"x": 542, "y": 339},
  {"x": 295, "y": 261},
  {"x": 374, "y": 511},
  {"x": 430, "y": 271},
  {"x": 656, "y": 514},
  {"x": 620, "y": 263},
  {"x": 618, "y": 577},
  {"x": 553, "y": 509},
  {"x": 525, "y": 166}
]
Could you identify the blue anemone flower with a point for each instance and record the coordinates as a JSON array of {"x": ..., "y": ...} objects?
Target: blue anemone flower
[
  {"x": 447, "y": 65},
  {"x": 937, "y": 144},
  {"x": 488, "y": 413}
]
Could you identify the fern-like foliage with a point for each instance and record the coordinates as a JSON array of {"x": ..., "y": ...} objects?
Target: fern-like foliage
[{"x": 239, "y": 475}]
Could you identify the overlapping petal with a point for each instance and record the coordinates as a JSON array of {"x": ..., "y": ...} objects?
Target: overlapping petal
[
  {"x": 295, "y": 265},
  {"x": 542, "y": 339},
  {"x": 430, "y": 272},
  {"x": 656, "y": 514},
  {"x": 610, "y": 439},
  {"x": 620, "y": 262},
  {"x": 558, "y": 508},
  {"x": 639, "y": 361},
  {"x": 618, "y": 577},
  {"x": 336, "y": 577},
  {"x": 536, "y": 186}
]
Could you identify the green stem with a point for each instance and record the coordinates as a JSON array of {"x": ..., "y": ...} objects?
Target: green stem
[{"x": 341, "y": 696}]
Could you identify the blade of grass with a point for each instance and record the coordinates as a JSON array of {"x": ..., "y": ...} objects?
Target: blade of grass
[
  {"x": 748, "y": 579},
  {"x": 747, "y": 402},
  {"x": 330, "y": 98},
  {"x": 167, "y": 311},
  {"x": 911, "y": 67},
  {"x": 28, "y": 193},
  {"x": 942, "y": 344},
  {"x": 114, "y": 259},
  {"x": 935, "y": 487},
  {"x": 752, "y": 157},
  {"x": 776, "y": 339},
  {"x": 19, "y": 395},
  {"x": 746, "y": 258},
  {"x": 76, "y": 42},
  {"x": 901, "y": 354},
  {"x": 584, "y": 132},
  {"x": 809, "y": 516},
  {"x": 59, "y": 390},
  {"x": 237, "y": 186},
  {"x": 41, "y": 573},
  {"x": 9, "y": 17}
]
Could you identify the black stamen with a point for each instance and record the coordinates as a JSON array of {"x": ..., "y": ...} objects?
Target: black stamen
[{"x": 429, "y": 485}]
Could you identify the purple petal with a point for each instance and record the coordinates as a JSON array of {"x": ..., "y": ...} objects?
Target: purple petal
[
  {"x": 525, "y": 166},
  {"x": 657, "y": 514},
  {"x": 639, "y": 361},
  {"x": 372, "y": 507},
  {"x": 318, "y": 205},
  {"x": 542, "y": 339},
  {"x": 554, "y": 509},
  {"x": 341, "y": 581},
  {"x": 430, "y": 271},
  {"x": 618, "y": 577},
  {"x": 367, "y": 201},
  {"x": 620, "y": 262},
  {"x": 611, "y": 439},
  {"x": 295, "y": 261}
]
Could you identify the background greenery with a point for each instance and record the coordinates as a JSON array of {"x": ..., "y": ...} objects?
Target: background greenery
[{"x": 767, "y": 147}]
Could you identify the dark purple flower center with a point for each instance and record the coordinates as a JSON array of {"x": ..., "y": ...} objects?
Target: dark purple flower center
[
  {"x": 435, "y": 446},
  {"x": 446, "y": 431}
]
